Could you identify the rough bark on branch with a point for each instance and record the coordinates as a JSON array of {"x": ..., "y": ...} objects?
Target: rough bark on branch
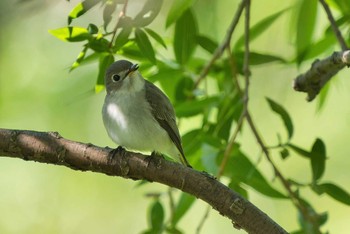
[
  {"x": 50, "y": 147},
  {"x": 320, "y": 72}
]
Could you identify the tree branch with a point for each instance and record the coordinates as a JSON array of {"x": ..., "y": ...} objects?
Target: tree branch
[
  {"x": 320, "y": 72},
  {"x": 53, "y": 149}
]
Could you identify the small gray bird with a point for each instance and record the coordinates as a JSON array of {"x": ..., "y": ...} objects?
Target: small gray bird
[{"x": 138, "y": 115}]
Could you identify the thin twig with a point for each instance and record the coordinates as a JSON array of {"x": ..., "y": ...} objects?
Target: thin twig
[
  {"x": 233, "y": 137},
  {"x": 246, "y": 89},
  {"x": 294, "y": 197},
  {"x": 121, "y": 15},
  {"x": 335, "y": 28},
  {"x": 204, "y": 218},
  {"x": 218, "y": 52}
]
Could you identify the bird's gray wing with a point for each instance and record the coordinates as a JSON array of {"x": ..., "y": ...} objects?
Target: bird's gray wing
[{"x": 164, "y": 113}]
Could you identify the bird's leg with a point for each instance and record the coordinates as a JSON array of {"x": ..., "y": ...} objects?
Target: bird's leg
[
  {"x": 155, "y": 157},
  {"x": 119, "y": 150}
]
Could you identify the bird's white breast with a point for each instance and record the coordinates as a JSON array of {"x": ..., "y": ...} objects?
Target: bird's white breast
[{"x": 130, "y": 123}]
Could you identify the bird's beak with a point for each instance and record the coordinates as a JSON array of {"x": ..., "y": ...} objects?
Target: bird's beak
[{"x": 133, "y": 68}]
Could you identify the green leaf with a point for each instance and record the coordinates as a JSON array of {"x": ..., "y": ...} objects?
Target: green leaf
[
  {"x": 184, "y": 89},
  {"x": 184, "y": 204},
  {"x": 229, "y": 110},
  {"x": 258, "y": 58},
  {"x": 299, "y": 150},
  {"x": 157, "y": 217},
  {"x": 192, "y": 141},
  {"x": 108, "y": 11},
  {"x": 318, "y": 159},
  {"x": 344, "y": 6},
  {"x": 99, "y": 44},
  {"x": 122, "y": 38},
  {"x": 150, "y": 10},
  {"x": 71, "y": 34},
  {"x": 322, "y": 46},
  {"x": 195, "y": 107},
  {"x": 235, "y": 186},
  {"x": 105, "y": 61},
  {"x": 81, "y": 8},
  {"x": 207, "y": 43},
  {"x": 185, "y": 37},
  {"x": 168, "y": 78},
  {"x": 209, "y": 155},
  {"x": 131, "y": 50},
  {"x": 145, "y": 45},
  {"x": 306, "y": 20},
  {"x": 240, "y": 168},
  {"x": 336, "y": 192},
  {"x": 284, "y": 153},
  {"x": 259, "y": 28},
  {"x": 283, "y": 114},
  {"x": 322, "y": 96},
  {"x": 79, "y": 59},
  {"x": 156, "y": 37},
  {"x": 176, "y": 10},
  {"x": 93, "y": 29}
]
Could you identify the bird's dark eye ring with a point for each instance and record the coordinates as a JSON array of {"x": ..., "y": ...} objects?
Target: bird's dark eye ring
[{"x": 115, "y": 77}]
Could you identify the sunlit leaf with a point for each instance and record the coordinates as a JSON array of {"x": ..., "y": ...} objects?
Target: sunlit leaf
[
  {"x": 185, "y": 37},
  {"x": 318, "y": 159},
  {"x": 156, "y": 37},
  {"x": 176, "y": 10},
  {"x": 259, "y": 28},
  {"x": 71, "y": 34},
  {"x": 79, "y": 59},
  {"x": 344, "y": 6},
  {"x": 144, "y": 45},
  {"x": 283, "y": 114},
  {"x": 81, "y": 8},
  {"x": 184, "y": 204},
  {"x": 305, "y": 27}
]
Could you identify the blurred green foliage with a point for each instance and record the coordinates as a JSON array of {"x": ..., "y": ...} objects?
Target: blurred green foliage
[{"x": 172, "y": 53}]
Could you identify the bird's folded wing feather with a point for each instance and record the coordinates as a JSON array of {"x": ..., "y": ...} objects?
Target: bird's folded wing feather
[{"x": 164, "y": 113}]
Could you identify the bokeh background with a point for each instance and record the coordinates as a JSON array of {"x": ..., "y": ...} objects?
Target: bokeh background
[{"x": 37, "y": 92}]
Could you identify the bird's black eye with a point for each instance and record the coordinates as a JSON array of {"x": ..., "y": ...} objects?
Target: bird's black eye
[{"x": 115, "y": 77}]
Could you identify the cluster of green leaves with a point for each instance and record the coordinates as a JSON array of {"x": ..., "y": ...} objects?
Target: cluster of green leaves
[
  {"x": 317, "y": 157},
  {"x": 217, "y": 113}
]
